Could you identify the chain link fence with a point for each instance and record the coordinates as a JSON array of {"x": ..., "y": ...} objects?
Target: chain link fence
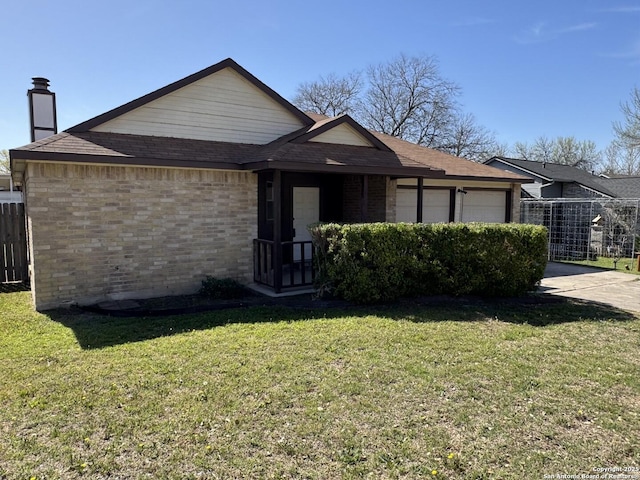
[{"x": 581, "y": 229}]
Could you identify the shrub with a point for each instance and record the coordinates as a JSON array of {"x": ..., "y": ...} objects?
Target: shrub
[
  {"x": 377, "y": 262},
  {"x": 225, "y": 288}
]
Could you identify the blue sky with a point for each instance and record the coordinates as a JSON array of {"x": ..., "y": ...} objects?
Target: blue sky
[{"x": 526, "y": 68}]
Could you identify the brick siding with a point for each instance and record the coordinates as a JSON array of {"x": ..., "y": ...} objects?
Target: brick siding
[
  {"x": 378, "y": 193},
  {"x": 110, "y": 232}
]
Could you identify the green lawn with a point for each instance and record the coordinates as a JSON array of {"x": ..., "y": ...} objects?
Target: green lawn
[
  {"x": 462, "y": 390},
  {"x": 626, "y": 265}
]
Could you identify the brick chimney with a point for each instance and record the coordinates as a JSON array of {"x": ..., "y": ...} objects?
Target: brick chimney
[{"x": 42, "y": 110}]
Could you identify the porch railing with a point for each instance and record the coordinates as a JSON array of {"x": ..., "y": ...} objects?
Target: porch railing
[{"x": 290, "y": 267}]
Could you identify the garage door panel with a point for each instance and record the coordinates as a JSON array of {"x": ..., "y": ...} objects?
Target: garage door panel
[
  {"x": 484, "y": 206},
  {"x": 406, "y": 205},
  {"x": 435, "y": 205}
]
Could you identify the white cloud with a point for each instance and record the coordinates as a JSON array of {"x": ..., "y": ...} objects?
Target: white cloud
[
  {"x": 539, "y": 32},
  {"x": 577, "y": 28},
  {"x": 631, "y": 53}
]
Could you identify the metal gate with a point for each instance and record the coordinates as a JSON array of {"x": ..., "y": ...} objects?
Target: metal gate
[
  {"x": 581, "y": 229},
  {"x": 13, "y": 243}
]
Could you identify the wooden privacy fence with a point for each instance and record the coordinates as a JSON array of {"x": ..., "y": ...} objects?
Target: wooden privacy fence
[{"x": 13, "y": 243}]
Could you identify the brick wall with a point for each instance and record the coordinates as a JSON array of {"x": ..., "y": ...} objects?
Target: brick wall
[
  {"x": 391, "y": 200},
  {"x": 378, "y": 206},
  {"x": 515, "y": 205},
  {"x": 352, "y": 194},
  {"x": 109, "y": 232},
  {"x": 575, "y": 190}
]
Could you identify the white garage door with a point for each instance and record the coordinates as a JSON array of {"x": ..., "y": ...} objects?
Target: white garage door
[
  {"x": 435, "y": 205},
  {"x": 484, "y": 206}
]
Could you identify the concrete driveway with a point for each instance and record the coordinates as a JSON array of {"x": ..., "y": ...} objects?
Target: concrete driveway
[{"x": 621, "y": 290}]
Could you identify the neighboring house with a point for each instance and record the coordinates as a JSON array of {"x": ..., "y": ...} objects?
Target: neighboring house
[
  {"x": 621, "y": 186},
  {"x": 8, "y": 192},
  {"x": 552, "y": 180},
  {"x": 216, "y": 174}
]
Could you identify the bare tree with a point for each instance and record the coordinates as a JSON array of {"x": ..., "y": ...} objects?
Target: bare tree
[
  {"x": 562, "y": 150},
  {"x": 523, "y": 150},
  {"x": 408, "y": 98},
  {"x": 621, "y": 160},
  {"x": 581, "y": 154},
  {"x": 543, "y": 149},
  {"x": 4, "y": 162},
  {"x": 331, "y": 95},
  {"x": 628, "y": 132},
  {"x": 465, "y": 138},
  {"x": 501, "y": 149}
]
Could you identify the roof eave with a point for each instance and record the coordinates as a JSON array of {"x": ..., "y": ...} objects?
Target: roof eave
[
  {"x": 19, "y": 161},
  {"x": 491, "y": 179},
  {"x": 408, "y": 172},
  {"x": 530, "y": 172}
]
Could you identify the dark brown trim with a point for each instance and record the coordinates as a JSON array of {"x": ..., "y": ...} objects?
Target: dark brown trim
[
  {"x": 228, "y": 63},
  {"x": 452, "y": 204},
  {"x": 22, "y": 155},
  {"x": 492, "y": 189},
  {"x": 420, "y": 197},
  {"x": 428, "y": 187},
  {"x": 489, "y": 179},
  {"x": 277, "y": 231},
  {"x": 18, "y": 155},
  {"x": 345, "y": 169},
  {"x": 335, "y": 122},
  {"x": 509, "y": 207}
]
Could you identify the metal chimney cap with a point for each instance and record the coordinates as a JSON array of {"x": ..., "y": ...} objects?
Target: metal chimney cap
[{"x": 40, "y": 83}]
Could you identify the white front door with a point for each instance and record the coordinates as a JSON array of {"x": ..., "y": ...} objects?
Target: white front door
[{"x": 306, "y": 210}]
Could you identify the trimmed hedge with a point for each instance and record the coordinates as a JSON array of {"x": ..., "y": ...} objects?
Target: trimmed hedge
[{"x": 376, "y": 262}]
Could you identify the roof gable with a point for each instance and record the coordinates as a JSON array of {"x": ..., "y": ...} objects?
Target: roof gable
[
  {"x": 517, "y": 165},
  {"x": 221, "y": 103},
  {"x": 342, "y": 130},
  {"x": 554, "y": 172},
  {"x": 342, "y": 134}
]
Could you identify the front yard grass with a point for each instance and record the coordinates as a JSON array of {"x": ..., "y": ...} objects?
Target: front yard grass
[
  {"x": 462, "y": 390},
  {"x": 625, "y": 265}
]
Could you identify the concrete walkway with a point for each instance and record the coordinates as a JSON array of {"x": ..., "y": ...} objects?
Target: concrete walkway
[{"x": 621, "y": 290}]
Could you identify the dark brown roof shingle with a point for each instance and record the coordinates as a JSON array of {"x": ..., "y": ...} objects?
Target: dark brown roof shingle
[{"x": 401, "y": 158}]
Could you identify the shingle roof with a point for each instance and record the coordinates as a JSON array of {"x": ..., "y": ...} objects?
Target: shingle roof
[
  {"x": 100, "y": 147},
  {"x": 401, "y": 158},
  {"x": 622, "y": 187},
  {"x": 453, "y": 166},
  {"x": 388, "y": 155},
  {"x": 557, "y": 172}
]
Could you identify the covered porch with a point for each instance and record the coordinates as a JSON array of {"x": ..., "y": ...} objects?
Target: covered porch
[{"x": 290, "y": 201}]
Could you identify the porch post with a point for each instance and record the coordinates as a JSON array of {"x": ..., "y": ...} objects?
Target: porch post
[
  {"x": 364, "y": 200},
  {"x": 420, "y": 197},
  {"x": 277, "y": 231}
]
